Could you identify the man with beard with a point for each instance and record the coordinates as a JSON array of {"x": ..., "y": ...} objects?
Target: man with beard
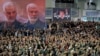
[
  {"x": 9, "y": 10},
  {"x": 33, "y": 17}
]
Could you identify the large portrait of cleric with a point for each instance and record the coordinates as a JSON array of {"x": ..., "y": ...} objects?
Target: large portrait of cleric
[
  {"x": 61, "y": 14},
  {"x": 19, "y": 14}
]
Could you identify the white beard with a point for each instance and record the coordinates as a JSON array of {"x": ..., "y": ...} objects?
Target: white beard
[
  {"x": 11, "y": 20},
  {"x": 32, "y": 20}
]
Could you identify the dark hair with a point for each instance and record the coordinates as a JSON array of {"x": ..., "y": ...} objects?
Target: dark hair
[{"x": 74, "y": 54}]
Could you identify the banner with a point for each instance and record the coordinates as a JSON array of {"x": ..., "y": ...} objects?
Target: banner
[
  {"x": 61, "y": 14},
  {"x": 19, "y": 14}
]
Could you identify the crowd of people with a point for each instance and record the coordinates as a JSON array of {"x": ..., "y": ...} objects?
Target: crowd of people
[
  {"x": 60, "y": 39},
  {"x": 35, "y": 38}
]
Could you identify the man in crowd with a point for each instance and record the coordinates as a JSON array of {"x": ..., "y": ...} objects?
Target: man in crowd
[
  {"x": 33, "y": 17},
  {"x": 9, "y": 10}
]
